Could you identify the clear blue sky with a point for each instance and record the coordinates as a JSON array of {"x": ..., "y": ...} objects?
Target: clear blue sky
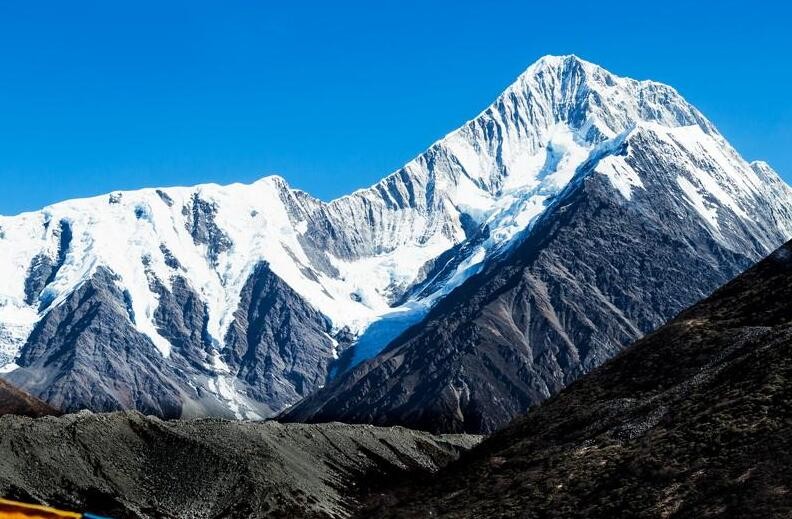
[{"x": 96, "y": 96}]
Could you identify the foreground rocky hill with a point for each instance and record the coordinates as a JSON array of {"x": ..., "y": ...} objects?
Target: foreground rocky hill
[
  {"x": 14, "y": 401},
  {"x": 128, "y": 465},
  {"x": 695, "y": 420}
]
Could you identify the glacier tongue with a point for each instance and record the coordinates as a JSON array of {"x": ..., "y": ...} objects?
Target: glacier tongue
[{"x": 370, "y": 261}]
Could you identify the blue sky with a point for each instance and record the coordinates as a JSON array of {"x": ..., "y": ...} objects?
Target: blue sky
[{"x": 97, "y": 96}]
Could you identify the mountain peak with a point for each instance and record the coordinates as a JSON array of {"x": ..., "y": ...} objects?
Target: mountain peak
[
  {"x": 565, "y": 66},
  {"x": 560, "y": 60},
  {"x": 592, "y": 101},
  {"x": 763, "y": 167}
]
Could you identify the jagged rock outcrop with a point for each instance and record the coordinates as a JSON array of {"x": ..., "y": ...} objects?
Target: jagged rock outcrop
[
  {"x": 85, "y": 352},
  {"x": 43, "y": 269}
]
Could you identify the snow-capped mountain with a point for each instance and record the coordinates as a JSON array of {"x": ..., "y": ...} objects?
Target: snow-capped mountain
[
  {"x": 656, "y": 211},
  {"x": 237, "y": 300}
]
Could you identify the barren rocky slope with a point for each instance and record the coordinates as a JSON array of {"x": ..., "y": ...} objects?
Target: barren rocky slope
[
  {"x": 127, "y": 465},
  {"x": 695, "y": 420}
]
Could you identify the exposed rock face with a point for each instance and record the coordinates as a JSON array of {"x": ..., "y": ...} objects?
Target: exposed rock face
[
  {"x": 354, "y": 273},
  {"x": 181, "y": 318},
  {"x": 43, "y": 269},
  {"x": 128, "y": 465},
  {"x": 595, "y": 273},
  {"x": 694, "y": 420},
  {"x": 38, "y": 274},
  {"x": 200, "y": 222},
  {"x": 278, "y": 345},
  {"x": 14, "y": 401},
  {"x": 86, "y": 352}
]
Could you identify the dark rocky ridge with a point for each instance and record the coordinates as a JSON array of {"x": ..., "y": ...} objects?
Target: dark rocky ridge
[
  {"x": 181, "y": 318},
  {"x": 694, "y": 420},
  {"x": 595, "y": 273},
  {"x": 127, "y": 465},
  {"x": 16, "y": 402}
]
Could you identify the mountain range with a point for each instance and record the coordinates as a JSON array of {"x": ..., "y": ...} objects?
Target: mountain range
[
  {"x": 691, "y": 421},
  {"x": 578, "y": 212}
]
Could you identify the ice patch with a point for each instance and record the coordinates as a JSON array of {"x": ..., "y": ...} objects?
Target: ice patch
[
  {"x": 8, "y": 368},
  {"x": 620, "y": 174},
  {"x": 16, "y": 322},
  {"x": 708, "y": 212},
  {"x": 383, "y": 331}
]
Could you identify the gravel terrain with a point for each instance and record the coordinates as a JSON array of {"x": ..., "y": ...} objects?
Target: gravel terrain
[{"x": 129, "y": 465}]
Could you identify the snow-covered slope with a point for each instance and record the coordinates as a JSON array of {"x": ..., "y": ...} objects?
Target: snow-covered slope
[{"x": 373, "y": 262}]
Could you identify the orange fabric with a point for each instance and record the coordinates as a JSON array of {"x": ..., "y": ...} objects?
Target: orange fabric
[{"x": 14, "y": 510}]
